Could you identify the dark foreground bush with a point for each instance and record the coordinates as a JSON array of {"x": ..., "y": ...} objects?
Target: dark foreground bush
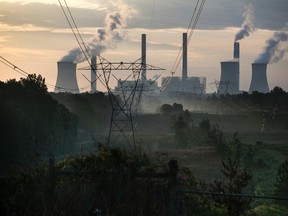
[{"x": 109, "y": 181}]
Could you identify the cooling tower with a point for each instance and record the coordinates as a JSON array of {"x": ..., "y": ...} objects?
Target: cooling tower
[
  {"x": 184, "y": 60},
  {"x": 66, "y": 78},
  {"x": 229, "y": 81},
  {"x": 259, "y": 78},
  {"x": 143, "y": 55},
  {"x": 236, "y": 50},
  {"x": 93, "y": 74}
]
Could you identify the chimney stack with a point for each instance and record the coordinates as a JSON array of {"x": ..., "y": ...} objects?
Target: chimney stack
[
  {"x": 93, "y": 74},
  {"x": 184, "y": 58},
  {"x": 143, "y": 55},
  {"x": 236, "y": 50}
]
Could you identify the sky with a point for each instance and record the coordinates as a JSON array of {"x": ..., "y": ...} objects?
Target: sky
[{"x": 34, "y": 35}]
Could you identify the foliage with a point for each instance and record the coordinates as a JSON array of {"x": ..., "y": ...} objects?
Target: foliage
[
  {"x": 268, "y": 210},
  {"x": 234, "y": 182},
  {"x": 174, "y": 109},
  {"x": 105, "y": 182},
  {"x": 33, "y": 124},
  {"x": 109, "y": 181},
  {"x": 281, "y": 185}
]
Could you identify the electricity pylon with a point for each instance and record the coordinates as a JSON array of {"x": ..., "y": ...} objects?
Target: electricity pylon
[{"x": 125, "y": 103}]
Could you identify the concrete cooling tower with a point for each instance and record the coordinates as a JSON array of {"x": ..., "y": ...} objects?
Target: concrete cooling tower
[
  {"x": 259, "y": 78},
  {"x": 66, "y": 78},
  {"x": 229, "y": 80}
]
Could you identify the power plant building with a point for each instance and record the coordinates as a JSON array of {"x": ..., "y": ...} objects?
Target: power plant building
[
  {"x": 184, "y": 84},
  {"x": 66, "y": 77}
]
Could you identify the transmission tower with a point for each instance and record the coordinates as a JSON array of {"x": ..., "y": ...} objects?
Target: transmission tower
[{"x": 126, "y": 97}]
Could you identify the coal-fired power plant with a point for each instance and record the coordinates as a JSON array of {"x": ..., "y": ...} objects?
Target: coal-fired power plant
[
  {"x": 259, "y": 78},
  {"x": 66, "y": 77}
]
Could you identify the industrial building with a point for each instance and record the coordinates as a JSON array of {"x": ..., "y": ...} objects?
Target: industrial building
[{"x": 184, "y": 84}]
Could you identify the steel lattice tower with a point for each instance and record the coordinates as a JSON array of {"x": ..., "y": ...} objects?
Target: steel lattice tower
[{"x": 125, "y": 103}]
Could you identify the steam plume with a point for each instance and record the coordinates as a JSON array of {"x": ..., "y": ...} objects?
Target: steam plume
[
  {"x": 276, "y": 47},
  {"x": 107, "y": 37},
  {"x": 247, "y": 26}
]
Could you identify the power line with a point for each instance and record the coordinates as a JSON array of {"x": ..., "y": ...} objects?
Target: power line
[
  {"x": 80, "y": 41},
  {"x": 24, "y": 73},
  {"x": 191, "y": 27}
]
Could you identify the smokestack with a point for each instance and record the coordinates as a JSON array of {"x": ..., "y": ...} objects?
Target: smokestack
[
  {"x": 236, "y": 50},
  {"x": 143, "y": 55},
  {"x": 229, "y": 81},
  {"x": 184, "y": 60},
  {"x": 93, "y": 74},
  {"x": 259, "y": 78},
  {"x": 66, "y": 77}
]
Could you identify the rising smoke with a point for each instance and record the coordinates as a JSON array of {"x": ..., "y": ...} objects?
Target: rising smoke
[
  {"x": 276, "y": 47},
  {"x": 247, "y": 26},
  {"x": 107, "y": 37}
]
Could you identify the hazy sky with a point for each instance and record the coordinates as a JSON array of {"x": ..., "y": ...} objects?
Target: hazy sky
[{"x": 34, "y": 35}]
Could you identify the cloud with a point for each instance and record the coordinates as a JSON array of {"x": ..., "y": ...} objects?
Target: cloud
[
  {"x": 22, "y": 28},
  {"x": 167, "y": 14}
]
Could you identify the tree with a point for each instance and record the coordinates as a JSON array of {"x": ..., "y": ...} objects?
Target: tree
[
  {"x": 166, "y": 109},
  {"x": 33, "y": 123},
  {"x": 281, "y": 185},
  {"x": 234, "y": 182}
]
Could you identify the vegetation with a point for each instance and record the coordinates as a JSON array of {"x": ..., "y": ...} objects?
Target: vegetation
[
  {"x": 33, "y": 123},
  {"x": 282, "y": 180},
  {"x": 111, "y": 181}
]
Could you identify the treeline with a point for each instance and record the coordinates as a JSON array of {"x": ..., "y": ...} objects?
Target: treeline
[
  {"x": 93, "y": 110},
  {"x": 33, "y": 124},
  {"x": 275, "y": 100}
]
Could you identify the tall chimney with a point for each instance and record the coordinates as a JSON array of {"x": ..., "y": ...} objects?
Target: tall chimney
[
  {"x": 259, "y": 78},
  {"x": 66, "y": 77},
  {"x": 143, "y": 55},
  {"x": 184, "y": 60},
  {"x": 236, "y": 50},
  {"x": 93, "y": 74}
]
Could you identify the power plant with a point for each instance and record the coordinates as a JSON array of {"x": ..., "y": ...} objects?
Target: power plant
[
  {"x": 66, "y": 77},
  {"x": 228, "y": 84},
  {"x": 259, "y": 78}
]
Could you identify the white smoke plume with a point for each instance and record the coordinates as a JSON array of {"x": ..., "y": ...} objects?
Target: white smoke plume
[
  {"x": 107, "y": 37},
  {"x": 276, "y": 47},
  {"x": 247, "y": 26}
]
